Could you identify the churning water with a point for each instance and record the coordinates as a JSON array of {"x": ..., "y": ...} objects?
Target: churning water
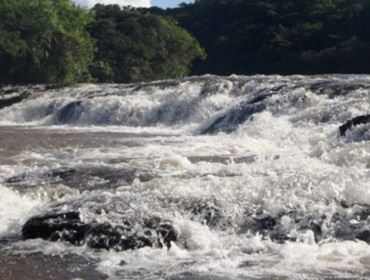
[{"x": 262, "y": 177}]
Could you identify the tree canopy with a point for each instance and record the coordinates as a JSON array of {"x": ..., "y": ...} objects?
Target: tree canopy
[
  {"x": 55, "y": 41},
  {"x": 134, "y": 45},
  {"x": 43, "y": 41},
  {"x": 279, "y": 36}
]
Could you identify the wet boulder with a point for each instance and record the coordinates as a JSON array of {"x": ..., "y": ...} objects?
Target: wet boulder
[
  {"x": 70, "y": 112},
  {"x": 262, "y": 223},
  {"x": 208, "y": 214},
  {"x": 106, "y": 236},
  {"x": 279, "y": 226},
  {"x": 353, "y": 223},
  {"x": 344, "y": 229},
  {"x": 229, "y": 121},
  {"x": 64, "y": 226},
  {"x": 364, "y": 119},
  {"x": 6, "y": 101},
  {"x": 70, "y": 229}
]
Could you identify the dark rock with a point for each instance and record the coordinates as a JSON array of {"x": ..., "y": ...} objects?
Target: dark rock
[
  {"x": 167, "y": 233},
  {"x": 106, "y": 236},
  {"x": 311, "y": 223},
  {"x": 70, "y": 112},
  {"x": 16, "y": 179},
  {"x": 261, "y": 223},
  {"x": 360, "y": 212},
  {"x": 271, "y": 226},
  {"x": 353, "y": 223},
  {"x": 68, "y": 228},
  {"x": 353, "y": 122},
  {"x": 337, "y": 88},
  {"x": 7, "y": 102},
  {"x": 267, "y": 93},
  {"x": 364, "y": 235},
  {"x": 264, "y": 222},
  {"x": 209, "y": 214},
  {"x": 260, "y": 97},
  {"x": 349, "y": 223},
  {"x": 344, "y": 229},
  {"x": 65, "y": 226},
  {"x": 6, "y": 91},
  {"x": 234, "y": 117}
]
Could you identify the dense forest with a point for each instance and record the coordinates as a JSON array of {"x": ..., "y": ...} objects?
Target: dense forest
[
  {"x": 55, "y": 41},
  {"x": 279, "y": 36}
]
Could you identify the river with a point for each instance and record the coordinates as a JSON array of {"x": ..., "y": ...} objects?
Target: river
[{"x": 240, "y": 177}]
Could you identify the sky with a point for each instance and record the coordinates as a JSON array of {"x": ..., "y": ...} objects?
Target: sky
[
  {"x": 134, "y": 3},
  {"x": 168, "y": 3}
]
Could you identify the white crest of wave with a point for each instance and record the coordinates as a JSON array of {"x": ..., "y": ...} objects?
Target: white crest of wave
[{"x": 14, "y": 210}]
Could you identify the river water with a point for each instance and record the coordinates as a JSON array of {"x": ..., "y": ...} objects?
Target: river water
[{"x": 253, "y": 174}]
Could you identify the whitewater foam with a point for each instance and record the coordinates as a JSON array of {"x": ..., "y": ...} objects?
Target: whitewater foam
[{"x": 252, "y": 192}]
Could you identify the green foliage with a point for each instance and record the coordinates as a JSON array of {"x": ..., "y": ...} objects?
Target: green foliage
[
  {"x": 43, "y": 41},
  {"x": 134, "y": 45},
  {"x": 53, "y": 41},
  {"x": 279, "y": 36}
]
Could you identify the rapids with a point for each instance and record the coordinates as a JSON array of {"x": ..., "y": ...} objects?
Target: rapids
[{"x": 250, "y": 177}]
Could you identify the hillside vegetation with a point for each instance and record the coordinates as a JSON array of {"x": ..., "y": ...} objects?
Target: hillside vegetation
[
  {"x": 279, "y": 36},
  {"x": 44, "y": 41}
]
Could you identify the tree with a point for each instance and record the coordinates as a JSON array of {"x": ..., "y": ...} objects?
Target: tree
[
  {"x": 44, "y": 41},
  {"x": 279, "y": 36},
  {"x": 134, "y": 45}
]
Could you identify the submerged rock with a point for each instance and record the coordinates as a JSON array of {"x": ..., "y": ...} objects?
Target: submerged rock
[
  {"x": 69, "y": 228},
  {"x": 206, "y": 213},
  {"x": 353, "y": 224},
  {"x": 335, "y": 88},
  {"x": 70, "y": 112},
  {"x": 83, "y": 177},
  {"x": 348, "y": 223},
  {"x": 9, "y": 101},
  {"x": 229, "y": 121},
  {"x": 354, "y": 122},
  {"x": 108, "y": 176}
]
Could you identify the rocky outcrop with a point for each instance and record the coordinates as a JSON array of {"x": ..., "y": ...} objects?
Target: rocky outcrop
[
  {"x": 364, "y": 119},
  {"x": 129, "y": 235}
]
